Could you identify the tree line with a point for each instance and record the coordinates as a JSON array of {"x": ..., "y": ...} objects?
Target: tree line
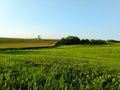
[{"x": 75, "y": 40}]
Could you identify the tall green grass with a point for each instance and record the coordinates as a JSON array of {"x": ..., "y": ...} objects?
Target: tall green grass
[{"x": 73, "y": 67}]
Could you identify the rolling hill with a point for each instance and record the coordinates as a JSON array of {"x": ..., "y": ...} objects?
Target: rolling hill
[{"x": 18, "y": 43}]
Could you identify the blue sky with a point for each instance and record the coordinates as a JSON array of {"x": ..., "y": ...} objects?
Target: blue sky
[{"x": 99, "y": 19}]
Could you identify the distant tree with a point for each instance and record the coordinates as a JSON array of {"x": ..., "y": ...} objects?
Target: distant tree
[
  {"x": 72, "y": 40},
  {"x": 111, "y": 40},
  {"x": 61, "y": 42},
  {"x": 97, "y": 42},
  {"x": 75, "y": 40},
  {"x": 69, "y": 40},
  {"x": 85, "y": 41}
]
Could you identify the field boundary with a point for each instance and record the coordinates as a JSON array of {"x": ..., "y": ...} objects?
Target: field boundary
[{"x": 24, "y": 48}]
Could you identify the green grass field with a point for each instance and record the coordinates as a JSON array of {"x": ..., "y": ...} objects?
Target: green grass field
[
  {"x": 73, "y": 67},
  {"x": 18, "y": 43}
]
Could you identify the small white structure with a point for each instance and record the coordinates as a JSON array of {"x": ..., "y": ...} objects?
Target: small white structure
[{"x": 38, "y": 37}]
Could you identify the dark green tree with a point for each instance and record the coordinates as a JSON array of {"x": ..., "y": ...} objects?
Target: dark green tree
[{"x": 72, "y": 40}]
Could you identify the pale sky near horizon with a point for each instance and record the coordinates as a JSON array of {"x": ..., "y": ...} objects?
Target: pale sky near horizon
[{"x": 99, "y": 19}]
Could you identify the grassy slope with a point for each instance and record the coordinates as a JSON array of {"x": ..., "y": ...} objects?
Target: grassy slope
[
  {"x": 73, "y": 67},
  {"x": 25, "y": 43}
]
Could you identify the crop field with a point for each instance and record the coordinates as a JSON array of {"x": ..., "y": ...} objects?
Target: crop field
[
  {"x": 18, "y": 43},
  {"x": 72, "y": 67}
]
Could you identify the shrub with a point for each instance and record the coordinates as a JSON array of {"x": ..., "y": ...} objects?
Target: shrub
[{"x": 97, "y": 42}]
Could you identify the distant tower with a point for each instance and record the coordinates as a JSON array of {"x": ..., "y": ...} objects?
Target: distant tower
[{"x": 38, "y": 37}]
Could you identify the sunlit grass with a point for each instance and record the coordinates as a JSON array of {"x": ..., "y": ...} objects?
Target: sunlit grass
[
  {"x": 73, "y": 67},
  {"x": 25, "y": 43}
]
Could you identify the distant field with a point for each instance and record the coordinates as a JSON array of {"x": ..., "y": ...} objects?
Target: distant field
[
  {"x": 73, "y": 67},
  {"x": 7, "y": 43}
]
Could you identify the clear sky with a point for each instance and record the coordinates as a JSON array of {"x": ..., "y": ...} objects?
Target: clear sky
[{"x": 99, "y": 19}]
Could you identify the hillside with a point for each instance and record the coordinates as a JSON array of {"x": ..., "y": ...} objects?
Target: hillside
[{"x": 10, "y": 43}]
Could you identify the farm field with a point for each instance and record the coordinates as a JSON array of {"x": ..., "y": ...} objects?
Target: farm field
[
  {"x": 72, "y": 67},
  {"x": 18, "y": 43}
]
